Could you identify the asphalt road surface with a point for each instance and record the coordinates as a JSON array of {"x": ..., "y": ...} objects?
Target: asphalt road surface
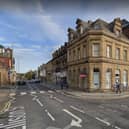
[{"x": 38, "y": 107}]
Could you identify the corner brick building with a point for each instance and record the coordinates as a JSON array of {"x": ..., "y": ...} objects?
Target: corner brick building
[
  {"x": 7, "y": 73},
  {"x": 98, "y": 54}
]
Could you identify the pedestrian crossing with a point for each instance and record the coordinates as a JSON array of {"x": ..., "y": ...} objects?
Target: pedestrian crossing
[
  {"x": 34, "y": 92},
  {"x": 16, "y": 119}
]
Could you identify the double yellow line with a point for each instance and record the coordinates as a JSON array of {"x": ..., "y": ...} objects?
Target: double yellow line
[{"x": 5, "y": 107}]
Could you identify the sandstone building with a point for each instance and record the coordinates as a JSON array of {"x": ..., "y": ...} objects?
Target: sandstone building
[
  {"x": 59, "y": 63},
  {"x": 98, "y": 54}
]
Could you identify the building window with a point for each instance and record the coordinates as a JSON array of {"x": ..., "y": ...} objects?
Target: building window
[
  {"x": 69, "y": 56},
  {"x": 96, "y": 78},
  {"x": 74, "y": 55},
  {"x": 84, "y": 51},
  {"x": 81, "y": 30},
  {"x": 71, "y": 36},
  {"x": 117, "y": 33},
  {"x": 2, "y": 50},
  {"x": 125, "y": 78},
  {"x": 79, "y": 54},
  {"x": 109, "y": 51},
  {"x": 117, "y": 53},
  {"x": 125, "y": 55},
  {"x": 96, "y": 49}
]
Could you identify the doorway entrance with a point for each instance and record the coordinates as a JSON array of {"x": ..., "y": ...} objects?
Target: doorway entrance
[{"x": 96, "y": 78}]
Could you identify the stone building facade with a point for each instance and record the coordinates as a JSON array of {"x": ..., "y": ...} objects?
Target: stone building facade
[
  {"x": 98, "y": 55},
  {"x": 59, "y": 63},
  {"x": 49, "y": 72}
]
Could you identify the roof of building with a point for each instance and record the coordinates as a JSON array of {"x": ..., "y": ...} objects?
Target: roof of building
[{"x": 100, "y": 24}]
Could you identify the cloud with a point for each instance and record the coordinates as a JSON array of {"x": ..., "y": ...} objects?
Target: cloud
[{"x": 2, "y": 39}]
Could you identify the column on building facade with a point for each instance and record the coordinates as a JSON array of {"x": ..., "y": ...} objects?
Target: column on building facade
[
  {"x": 113, "y": 77},
  {"x": 81, "y": 50},
  {"x": 102, "y": 77},
  {"x": 121, "y": 53},
  {"x": 103, "y": 47},
  {"x": 113, "y": 50},
  {"x": 121, "y": 75},
  {"x": 90, "y": 77}
]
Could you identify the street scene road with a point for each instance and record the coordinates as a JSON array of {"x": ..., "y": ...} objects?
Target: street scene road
[{"x": 36, "y": 106}]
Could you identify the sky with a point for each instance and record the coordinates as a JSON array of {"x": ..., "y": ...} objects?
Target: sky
[{"x": 36, "y": 28}]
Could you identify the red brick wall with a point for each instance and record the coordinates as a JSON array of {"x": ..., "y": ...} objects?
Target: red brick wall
[{"x": 6, "y": 61}]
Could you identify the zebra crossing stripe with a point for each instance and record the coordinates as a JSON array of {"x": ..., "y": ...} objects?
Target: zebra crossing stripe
[
  {"x": 34, "y": 92},
  {"x": 23, "y": 93}
]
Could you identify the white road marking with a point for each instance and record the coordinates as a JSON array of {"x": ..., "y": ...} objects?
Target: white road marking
[
  {"x": 77, "y": 109},
  {"x": 59, "y": 100},
  {"x": 103, "y": 121},
  {"x": 38, "y": 101},
  {"x": 50, "y": 91},
  {"x": 33, "y": 92},
  {"x": 117, "y": 127},
  {"x": 12, "y": 94},
  {"x": 17, "y": 118},
  {"x": 24, "y": 127},
  {"x": 52, "y": 118},
  {"x": 42, "y": 92},
  {"x": 58, "y": 91},
  {"x": 23, "y": 93},
  {"x": 34, "y": 97},
  {"x": 74, "y": 123}
]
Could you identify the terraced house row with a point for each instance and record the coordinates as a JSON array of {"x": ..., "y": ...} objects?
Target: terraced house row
[{"x": 97, "y": 55}]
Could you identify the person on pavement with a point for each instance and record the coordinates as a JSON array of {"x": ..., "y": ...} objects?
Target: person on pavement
[{"x": 118, "y": 88}]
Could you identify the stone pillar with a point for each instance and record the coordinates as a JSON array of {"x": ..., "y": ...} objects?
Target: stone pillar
[
  {"x": 121, "y": 75},
  {"x": 113, "y": 77},
  {"x": 102, "y": 77},
  {"x": 121, "y": 53},
  {"x": 113, "y": 51},
  {"x": 102, "y": 48},
  {"x": 90, "y": 77}
]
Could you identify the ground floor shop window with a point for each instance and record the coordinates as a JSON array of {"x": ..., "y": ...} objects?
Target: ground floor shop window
[
  {"x": 108, "y": 79},
  {"x": 125, "y": 78},
  {"x": 96, "y": 78}
]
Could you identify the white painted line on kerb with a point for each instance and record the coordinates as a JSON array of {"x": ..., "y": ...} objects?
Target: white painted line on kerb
[
  {"x": 23, "y": 93},
  {"x": 59, "y": 100},
  {"x": 77, "y": 109},
  {"x": 103, "y": 121},
  {"x": 38, "y": 101},
  {"x": 52, "y": 118},
  {"x": 116, "y": 127}
]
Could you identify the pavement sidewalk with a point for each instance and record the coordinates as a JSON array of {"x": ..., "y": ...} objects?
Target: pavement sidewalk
[{"x": 88, "y": 95}]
